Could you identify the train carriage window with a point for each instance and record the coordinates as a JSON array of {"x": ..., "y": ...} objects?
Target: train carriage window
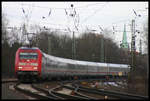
[
  {"x": 78, "y": 67},
  {"x": 70, "y": 66},
  {"x": 101, "y": 69}
]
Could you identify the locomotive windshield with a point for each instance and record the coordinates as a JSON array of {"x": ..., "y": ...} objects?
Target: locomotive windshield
[{"x": 28, "y": 55}]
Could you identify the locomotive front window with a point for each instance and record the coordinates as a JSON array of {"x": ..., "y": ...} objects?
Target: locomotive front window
[{"x": 28, "y": 55}]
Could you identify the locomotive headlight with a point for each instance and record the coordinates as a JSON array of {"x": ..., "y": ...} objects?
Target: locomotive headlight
[
  {"x": 20, "y": 67},
  {"x": 34, "y": 67}
]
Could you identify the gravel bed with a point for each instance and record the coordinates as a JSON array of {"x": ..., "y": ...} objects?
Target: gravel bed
[
  {"x": 9, "y": 93},
  {"x": 48, "y": 85}
]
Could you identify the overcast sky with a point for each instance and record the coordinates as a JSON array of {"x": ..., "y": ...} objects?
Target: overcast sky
[{"x": 90, "y": 15}]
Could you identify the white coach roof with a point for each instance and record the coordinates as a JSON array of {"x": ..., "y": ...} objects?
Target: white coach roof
[{"x": 77, "y": 62}]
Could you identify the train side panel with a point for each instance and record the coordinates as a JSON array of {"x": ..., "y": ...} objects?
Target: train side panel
[{"x": 60, "y": 67}]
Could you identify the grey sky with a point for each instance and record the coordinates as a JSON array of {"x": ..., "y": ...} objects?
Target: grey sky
[{"x": 91, "y": 14}]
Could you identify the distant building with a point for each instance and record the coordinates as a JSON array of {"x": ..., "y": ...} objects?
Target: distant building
[{"x": 124, "y": 45}]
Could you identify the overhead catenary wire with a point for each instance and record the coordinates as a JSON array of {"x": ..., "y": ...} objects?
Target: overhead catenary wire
[
  {"x": 49, "y": 13},
  {"x": 44, "y": 17},
  {"x": 66, "y": 8},
  {"x": 85, "y": 6},
  {"x": 88, "y": 5},
  {"x": 65, "y": 24},
  {"x": 34, "y": 21},
  {"x": 63, "y": 8},
  {"x": 45, "y": 7},
  {"x": 60, "y": 8},
  {"x": 97, "y": 10}
]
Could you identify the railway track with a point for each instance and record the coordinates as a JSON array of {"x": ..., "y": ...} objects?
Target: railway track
[
  {"x": 71, "y": 90},
  {"x": 69, "y": 93},
  {"x": 76, "y": 92},
  {"x": 41, "y": 93},
  {"x": 117, "y": 87},
  {"x": 28, "y": 90},
  {"x": 9, "y": 80},
  {"x": 111, "y": 94},
  {"x": 60, "y": 92},
  {"x": 87, "y": 94}
]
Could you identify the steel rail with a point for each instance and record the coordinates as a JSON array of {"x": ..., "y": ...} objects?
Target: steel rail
[
  {"x": 54, "y": 94},
  {"x": 111, "y": 93},
  {"x": 79, "y": 94},
  {"x": 27, "y": 92},
  {"x": 47, "y": 92},
  {"x": 66, "y": 96},
  {"x": 9, "y": 81}
]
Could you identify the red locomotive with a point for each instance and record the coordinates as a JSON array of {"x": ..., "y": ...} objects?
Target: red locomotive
[{"x": 28, "y": 63}]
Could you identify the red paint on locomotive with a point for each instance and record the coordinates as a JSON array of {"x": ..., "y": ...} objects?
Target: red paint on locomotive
[{"x": 28, "y": 60}]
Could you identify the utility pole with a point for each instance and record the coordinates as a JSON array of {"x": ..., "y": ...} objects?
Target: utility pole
[
  {"x": 133, "y": 50},
  {"x": 49, "y": 45},
  {"x": 102, "y": 47},
  {"x": 102, "y": 50},
  {"x": 75, "y": 18},
  {"x": 140, "y": 49},
  {"x": 73, "y": 43},
  {"x": 73, "y": 48},
  {"x": 25, "y": 33}
]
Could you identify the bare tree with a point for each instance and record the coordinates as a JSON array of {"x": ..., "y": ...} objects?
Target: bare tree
[
  {"x": 4, "y": 28},
  {"x": 108, "y": 34},
  {"x": 145, "y": 36},
  {"x": 14, "y": 35}
]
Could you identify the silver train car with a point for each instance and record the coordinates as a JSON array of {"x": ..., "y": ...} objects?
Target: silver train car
[{"x": 56, "y": 67}]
